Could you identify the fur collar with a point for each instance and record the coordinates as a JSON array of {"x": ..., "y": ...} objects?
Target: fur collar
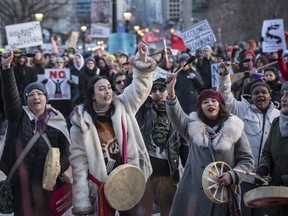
[{"x": 229, "y": 134}]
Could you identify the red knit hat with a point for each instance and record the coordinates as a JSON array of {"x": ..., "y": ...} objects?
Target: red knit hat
[
  {"x": 229, "y": 48},
  {"x": 210, "y": 93},
  {"x": 251, "y": 52}
]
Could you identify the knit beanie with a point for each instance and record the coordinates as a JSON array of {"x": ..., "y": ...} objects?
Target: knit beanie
[
  {"x": 250, "y": 52},
  {"x": 260, "y": 84},
  {"x": 284, "y": 86},
  {"x": 35, "y": 85},
  {"x": 229, "y": 48},
  {"x": 210, "y": 93},
  {"x": 184, "y": 57},
  {"x": 90, "y": 59}
]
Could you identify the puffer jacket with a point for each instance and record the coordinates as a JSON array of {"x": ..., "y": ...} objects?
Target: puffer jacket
[{"x": 21, "y": 127}]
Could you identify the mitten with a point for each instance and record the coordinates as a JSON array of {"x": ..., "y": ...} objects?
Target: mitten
[
  {"x": 280, "y": 53},
  {"x": 234, "y": 51}
]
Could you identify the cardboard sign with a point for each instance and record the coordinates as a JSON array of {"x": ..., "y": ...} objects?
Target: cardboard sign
[
  {"x": 160, "y": 73},
  {"x": 273, "y": 35},
  {"x": 198, "y": 36},
  {"x": 24, "y": 35},
  {"x": 73, "y": 39},
  {"x": 57, "y": 85}
]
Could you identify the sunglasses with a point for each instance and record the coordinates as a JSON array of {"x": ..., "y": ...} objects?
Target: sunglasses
[
  {"x": 120, "y": 81},
  {"x": 160, "y": 89}
]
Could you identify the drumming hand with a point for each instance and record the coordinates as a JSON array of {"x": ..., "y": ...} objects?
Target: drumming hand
[{"x": 225, "y": 179}]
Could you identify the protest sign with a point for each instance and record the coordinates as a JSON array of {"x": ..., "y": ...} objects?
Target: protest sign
[
  {"x": 273, "y": 35},
  {"x": 73, "y": 39},
  {"x": 198, "y": 36},
  {"x": 160, "y": 73},
  {"x": 57, "y": 85},
  {"x": 122, "y": 41},
  {"x": 24, "y": 35}
]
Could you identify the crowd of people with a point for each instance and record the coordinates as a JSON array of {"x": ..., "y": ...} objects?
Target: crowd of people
[{"x": 119, "y": 113}]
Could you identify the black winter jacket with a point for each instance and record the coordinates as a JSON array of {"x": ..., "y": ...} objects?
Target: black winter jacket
[
  {"x": 27, "y": 181},
  {"x": 145, "y": 117}
]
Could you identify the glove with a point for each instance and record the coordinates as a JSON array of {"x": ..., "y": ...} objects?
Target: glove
[
  {"x": 280, "y": 53},
  {"x": 70, "y": 82},
  {"x": 233, "y": 54},
  {"x": 191, "y": 76},
  {"x": 44, "y": 81}
]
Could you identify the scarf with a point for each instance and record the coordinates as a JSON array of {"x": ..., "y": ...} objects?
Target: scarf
[
  {"x": 233, "y": 203},
  {"x": 42, "y": 120},
  {"x": 283, "y": 124}
]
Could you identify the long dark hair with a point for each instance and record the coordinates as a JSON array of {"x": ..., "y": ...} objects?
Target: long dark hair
[
  {"x": 223, "y": 114},
  {"x": 88, "y": 103}
]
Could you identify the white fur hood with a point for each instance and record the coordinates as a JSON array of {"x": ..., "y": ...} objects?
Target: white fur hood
[{"x": 229, "y": 134}]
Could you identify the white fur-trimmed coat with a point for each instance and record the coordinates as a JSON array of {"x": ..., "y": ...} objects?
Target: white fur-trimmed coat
[
  {"x": 86, "y": 152},
  {"x": 230, "y": 146}
]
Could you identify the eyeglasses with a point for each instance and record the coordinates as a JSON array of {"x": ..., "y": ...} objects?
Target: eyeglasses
[
  {"x": 160, "y": 89},
  {"x": 59, "y": 62},
  {"x": 120, "y": 81},
  {"x": 33, "y": 94}
]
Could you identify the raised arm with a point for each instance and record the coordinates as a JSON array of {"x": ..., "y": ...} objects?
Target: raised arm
[
  {"x": 137, "y": 92},
  {"x": 282, "y": 65},
  {"x": 11, "y": 97},
  {"x": 175, "y": 113},
  {"x": 224, "y": 87}
]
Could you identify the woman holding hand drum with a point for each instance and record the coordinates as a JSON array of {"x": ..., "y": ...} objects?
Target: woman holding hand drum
[{"x": 213, "y": 134}]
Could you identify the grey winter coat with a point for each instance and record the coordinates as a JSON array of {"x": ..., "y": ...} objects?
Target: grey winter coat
[{"x": 230, "y": 146}]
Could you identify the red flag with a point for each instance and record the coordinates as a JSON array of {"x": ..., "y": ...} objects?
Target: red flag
[{"x": 177, "y": 42}]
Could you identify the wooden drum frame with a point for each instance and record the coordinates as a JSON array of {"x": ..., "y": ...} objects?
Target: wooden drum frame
[
  {"x": 52, "y": 169},
  {"x": 266, "y": 196},
  {"x": 212, "y": 189},
  {"x": 124, "y": 187}
]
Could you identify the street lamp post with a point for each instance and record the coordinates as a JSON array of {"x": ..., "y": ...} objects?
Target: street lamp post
[
  {"x": 83, "y": 29},
  {"x": 39, "y": 17},
  {"x": 127, "y": 16}
]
